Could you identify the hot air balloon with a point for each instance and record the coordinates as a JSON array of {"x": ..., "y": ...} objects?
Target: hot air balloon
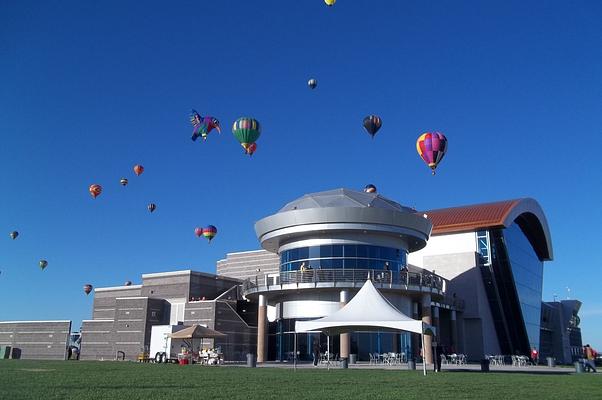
[
  {"x": 123, "y": 181},
  {"x": 312, "y": 83},
  {"x": 209, "y": 232},
  {"x": 95, "y": 190},
  {"x": 251, "y": 149},
  {"x": 152, "y": 207},
  {"x": 138, "y": 169},
  {"x": 247, "y": 131},
  {"x": 198, "y": 232},
  {"x": 370, "y": 188},
  {"x": 330, "y": 3},
  {"x": 431, "y": 146},
  {"x": 87, "y": 289},
  {"x": 13, "y": 235},
  {"x": 43, "y": 264},
  {"x": 372, "y": 124},
  {"x": 203, "y": 125},
  {"x": 128, "y": 283}
]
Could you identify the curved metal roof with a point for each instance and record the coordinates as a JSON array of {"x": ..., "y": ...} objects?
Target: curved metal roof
[
  {"x": 526, "y": 212},
  {"x": 344, "y": 198}
]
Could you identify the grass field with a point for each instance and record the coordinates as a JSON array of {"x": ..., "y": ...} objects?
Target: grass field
[{"x": 23, "y": 379}]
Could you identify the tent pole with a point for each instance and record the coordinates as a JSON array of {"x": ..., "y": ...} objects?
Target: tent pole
[
  {"x": 295, "y": 354},
  {"x": 328, "y": 350},
  {"x": 423, "y": 356}
]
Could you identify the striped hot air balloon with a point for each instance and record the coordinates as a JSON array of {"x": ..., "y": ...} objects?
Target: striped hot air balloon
[
  {"x": 209, "y": 232},
  {"x": 123, "y": 181},
  {"x": 87, "y": 288},
  {"x": 370, "y": 188},
  {"x": 43, "y": 264},
  {"x": 247, "y": 131},
  {"x": 198, "y": 232},
  {"x": 95, "y": 190},
  {"x": 431, "y": 147},
  {"x": 138, "y": 169},
  {"x": 312, "y": 83},
  {"x": 372, "y": 124},
  {"x": 152, "y": 207}
]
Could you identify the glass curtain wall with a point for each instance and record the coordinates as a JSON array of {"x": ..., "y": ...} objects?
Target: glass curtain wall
[{"x": 343, "y": 256}]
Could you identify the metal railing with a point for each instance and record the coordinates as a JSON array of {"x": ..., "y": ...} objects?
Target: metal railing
[{"x": 380, "y": 278}]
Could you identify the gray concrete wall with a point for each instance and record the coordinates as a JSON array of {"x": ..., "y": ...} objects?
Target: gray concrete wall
[
  {"x": 244, "y": 265},
  {"x": 36, "y": 340},
  {"x": 97, "y": 340},
  {"x": 241, "y": 338}
]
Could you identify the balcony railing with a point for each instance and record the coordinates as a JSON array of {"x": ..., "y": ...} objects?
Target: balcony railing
[{"x": 380, "y": 279}]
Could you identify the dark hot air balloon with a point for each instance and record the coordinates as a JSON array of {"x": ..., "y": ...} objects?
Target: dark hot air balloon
[
  {"x": 87, "y": 289},
  {"x": 13, "y": 235},
  {"x": 370, "y": 188},
  {"x": 372, "y": 124},
  {"x": 138, "y": 169},
  {"x": 209, "y": 232},
  {"x": 312, "y": 83},
  {"x": 152, "y": 207},
  {"x": 123, "y": 181},
  {"x": 431, "y": 147},
  {"x": 43, "y": 264},
  {"x": 128, "y": 283},
  {"x": 95, "y": 190}
]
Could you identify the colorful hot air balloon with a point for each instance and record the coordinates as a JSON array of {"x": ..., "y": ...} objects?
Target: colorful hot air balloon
[
  {"x": 251, "y": 149},
  {"x": 203, "y": 125},
  {"x": 87, "y": 289},
  {"x": 372, "y": 124},
  {"x": 128, "y": 283},
  {"x": 13, "y": 235},
  {"x": 370, "y": 188},
  {"x": 198, "y": 232},
  {"x": 138, "y": 169},
  {"x": 431, "y": 146},
  {"x": 330, "y": 3},
  {"x": 43, "y": 264},
  {"x": 95, "y": 190},
  {"x": 152, "y": 207},
  {"x": 209, "y": 232},
  {"x": 123, "y": 181},
  {"x": 312, "y": 83},
  {"x": 247, "y": 131}
]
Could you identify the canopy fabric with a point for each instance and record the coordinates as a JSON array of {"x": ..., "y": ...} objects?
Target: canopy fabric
[
  {"x": 196, "y": 332},
  {"x": 369, "y": 310}
]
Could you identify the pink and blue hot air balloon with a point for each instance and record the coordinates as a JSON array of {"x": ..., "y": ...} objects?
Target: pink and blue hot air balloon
[
  {"x": 209, "y": 232},
  {"x": 431, "y": 146}
]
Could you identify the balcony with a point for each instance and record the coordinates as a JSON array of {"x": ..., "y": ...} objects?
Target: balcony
[{"x": 417, "y": 282}]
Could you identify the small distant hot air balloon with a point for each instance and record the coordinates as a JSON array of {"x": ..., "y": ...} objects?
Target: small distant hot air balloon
[
  {"x": 13, "y": 235},
  {"x": 123, "y": 181},
  {"x": 128, "y": 283},
  {"x": 198, "y": 232},
  {"x": 312, "y": 83},
  {"x": 87, "y": 289},
  {"x": 251, "y": 149},
  {"x": 209, "y": 232},
  {"x": 152, "y": 207},
  {"x": 330, "y": 3},
  {"x": 247, "y": 131},
  {"x": 372, "y": 124},
  {"x": 370, "y": 188},
  {"x": 95, "y": 190},
  {"x": 431, "y": 146},
  {"x": 43, "y": 264},
  {"x": 203, "y": 125},
  {"x": 138, "y": 169}
]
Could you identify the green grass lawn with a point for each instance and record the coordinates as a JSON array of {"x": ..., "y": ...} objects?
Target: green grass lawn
[{"x": 24, "y": 379}]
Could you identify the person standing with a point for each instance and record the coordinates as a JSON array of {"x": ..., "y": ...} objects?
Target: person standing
[
  {"x": 534, "y": 356},
  {"x": 589, "y": 357},
  {"x": 316, "y": 352}
]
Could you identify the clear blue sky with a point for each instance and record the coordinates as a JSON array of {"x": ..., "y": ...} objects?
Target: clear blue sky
[{"x": 89, "y": 89}]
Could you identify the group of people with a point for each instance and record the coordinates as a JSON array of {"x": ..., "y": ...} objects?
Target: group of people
[{"x": 589, "y": 358}]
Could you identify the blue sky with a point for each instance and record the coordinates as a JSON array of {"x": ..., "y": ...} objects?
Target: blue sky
[{"x": 88, "y": 90}]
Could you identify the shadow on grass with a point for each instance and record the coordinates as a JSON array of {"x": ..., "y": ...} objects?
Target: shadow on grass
[{"x": 511, "y": 372}]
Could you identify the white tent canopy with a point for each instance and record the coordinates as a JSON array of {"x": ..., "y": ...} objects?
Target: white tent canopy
[{"x": 369, "y": 310}]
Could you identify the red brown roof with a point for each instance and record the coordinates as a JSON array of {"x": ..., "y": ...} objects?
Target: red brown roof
[{"x": 526, "y": 212}]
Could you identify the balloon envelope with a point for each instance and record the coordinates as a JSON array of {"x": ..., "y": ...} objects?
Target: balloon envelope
[
  {"x": 152, "y": 207},
  {"x": 370, "y": 188},
  {"x": 43, "y": 264},
  {"x": 198, "y": 232},
  {"x": 246, "y": 130},
  {"x": 128, "y": 283},
  {"x": 138, "y": 169},
  {"x": 312, "y": 83},
  {"x": 252, "y": 149},
  {"x": 123, "y": 181},
  {"x": 95, "y": 190},
  {"x": 13, "y": 235},
  {"x": 431, "y": 146},
  {"x": 87, "y": 289},
  {"x": 209, "y": 232},
  {"x": 372, "y": 124},
  {"x": 330, "y": 3}
]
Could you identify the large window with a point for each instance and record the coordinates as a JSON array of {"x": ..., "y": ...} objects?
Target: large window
[{"x": 346, "y": 256}]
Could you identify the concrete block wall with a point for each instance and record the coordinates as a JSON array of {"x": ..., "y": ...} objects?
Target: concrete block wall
[
  {"x": 36, "y": 340},
  {"x": 244, "y": 265}
]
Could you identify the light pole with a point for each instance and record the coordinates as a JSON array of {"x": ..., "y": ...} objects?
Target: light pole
[{"x": 568, "y": 293}]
